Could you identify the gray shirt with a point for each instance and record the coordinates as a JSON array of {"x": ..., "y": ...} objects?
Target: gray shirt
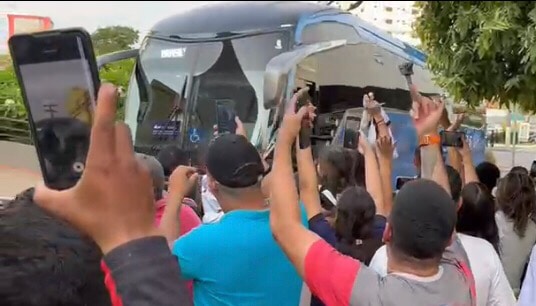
[
  {"x": 341, "y": 280},
  {"x": 515, "y": 250}
]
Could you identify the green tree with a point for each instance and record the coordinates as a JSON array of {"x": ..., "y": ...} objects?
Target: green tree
[
  {"x": 481, "y": 50},
  {"x": 114, "y": 38}
]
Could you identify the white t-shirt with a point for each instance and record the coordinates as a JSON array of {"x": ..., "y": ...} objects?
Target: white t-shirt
[
  {"x": 528, "y": 290},
  {"x": 492, "y": 287},
  {"x": 211, "y": 208}
]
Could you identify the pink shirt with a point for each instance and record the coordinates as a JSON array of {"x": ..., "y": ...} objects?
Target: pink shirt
[{"x": 188, "y": 220}]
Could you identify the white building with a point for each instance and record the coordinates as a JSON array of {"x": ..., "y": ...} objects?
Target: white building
[{"x": 395, "y": 17}]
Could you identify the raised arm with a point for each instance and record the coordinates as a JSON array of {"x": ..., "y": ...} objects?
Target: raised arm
[
  {"x": 181, "y": 181},
  {"x": 384, "y": 150},
  {"x": 308, "y": 182},
  {"x": 426, "y": 115},
  {"x": 372, "y": 174},
  {"x": 307, "y": 252},
  {"x": 454, "y": 156},
  {"x": 469, "y": 171}
]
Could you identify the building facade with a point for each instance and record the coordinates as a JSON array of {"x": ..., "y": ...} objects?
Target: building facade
[
  {"x": 394, "y": 17},
  {"x": 13, "y": 23}
]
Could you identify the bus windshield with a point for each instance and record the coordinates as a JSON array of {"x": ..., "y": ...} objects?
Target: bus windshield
[{"x": 228, "y": 70}]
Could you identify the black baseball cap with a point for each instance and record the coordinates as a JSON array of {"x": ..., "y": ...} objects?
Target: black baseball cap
[
  {"x": 423, "y": 219},
  {"x": 234, "y": 162}
]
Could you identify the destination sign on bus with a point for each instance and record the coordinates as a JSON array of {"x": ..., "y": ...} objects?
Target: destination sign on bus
[{"x": 173, "y": 53}]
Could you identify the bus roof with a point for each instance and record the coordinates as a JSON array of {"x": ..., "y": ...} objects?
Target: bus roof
[
  {"x": 238, "y": 16},
  {"x": 249, "y": 16}
]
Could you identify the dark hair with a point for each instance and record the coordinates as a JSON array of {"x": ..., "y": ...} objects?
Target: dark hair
[
  {"x": 519, "y": 169},
  {"x": 336, "y": 164},
  {"x": 46, "y": 262},
  {"x": 422, "y": 221},
  {"x": 455, "y": 182},
  {"x": 533, "y": 170},
  {"x": 488, "y": 174},
  {"x": 516, "y": 198},
  {"x": 358, "y": 168},
  {"x": 355, "y": 222},
  {"x": 476, "y": 216}
]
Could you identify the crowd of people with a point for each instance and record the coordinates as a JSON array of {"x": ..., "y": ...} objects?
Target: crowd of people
[{"x": 298, "y": 230}]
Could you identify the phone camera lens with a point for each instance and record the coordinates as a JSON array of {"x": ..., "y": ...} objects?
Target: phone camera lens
[{"x": 78, "y": 167}]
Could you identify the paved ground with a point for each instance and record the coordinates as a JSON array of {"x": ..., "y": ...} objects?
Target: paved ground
[
  {"x": 523, "y": 157},
  {"x": 19, "y": 168}
]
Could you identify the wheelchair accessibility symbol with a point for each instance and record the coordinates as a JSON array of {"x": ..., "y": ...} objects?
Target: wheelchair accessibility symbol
[{"x": 194, "y": 136}]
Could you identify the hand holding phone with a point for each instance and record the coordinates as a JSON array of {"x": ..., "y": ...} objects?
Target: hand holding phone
[
  {"x": 406, "y": 70},
  {"x": 452, "y": 139},
  {"x": 58, "y": 75},
  {"x": 225, "y": 116},
  {"x": 303, "y": 99},
  {"x": 351, "y": 132}
]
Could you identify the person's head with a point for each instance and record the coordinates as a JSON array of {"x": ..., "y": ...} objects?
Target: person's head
[
  {"x": 488, "y": 174},
  {"x": 335, "y": 169},
  {"x": 516, "y": 198},
  {"x": 157, "y": 174},
  {"x": 235, "y": 172},
  {"x": 533, "y": 170},
  {"x": 417, "y": 159},
  {"x": 476, "y": 215},
  {"x": 45, "y": 262},
  {"x": 355, "y": 215},
  {"x": 455, "y": 182},
  {"x": 520, "y": 170},
  {"x": 170, "y": 157},
  {"x": 420, "y": 226}
]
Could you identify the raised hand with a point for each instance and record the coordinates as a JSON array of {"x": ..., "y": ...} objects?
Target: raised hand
[
  {"x": 113, "y": 202},
  {"x": 457, "y": 123},
  {"x": 385, "y": 146},
  {"x": 292, "y": 120},
  {"x": 182, "y": 181},
  {"x": 426, "y": 113}
]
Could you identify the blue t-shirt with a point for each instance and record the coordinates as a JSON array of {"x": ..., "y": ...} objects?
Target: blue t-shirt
[{"x": 237, "y": 262}]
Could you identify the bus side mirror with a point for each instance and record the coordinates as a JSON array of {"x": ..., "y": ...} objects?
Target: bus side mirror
[
  {"x": 116, "y": 56},
  {"x": 279, "y": 67}
]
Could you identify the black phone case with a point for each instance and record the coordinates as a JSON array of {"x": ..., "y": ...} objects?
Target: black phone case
[{"x": 88, "y": 50}]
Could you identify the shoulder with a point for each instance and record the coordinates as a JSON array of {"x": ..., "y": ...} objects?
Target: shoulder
[{"x": 197, "y": 237}]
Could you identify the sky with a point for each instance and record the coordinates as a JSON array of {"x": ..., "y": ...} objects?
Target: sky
[{"x": 91, "y": 15}]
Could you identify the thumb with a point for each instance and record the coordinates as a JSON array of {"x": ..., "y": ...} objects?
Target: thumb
[
  {"x": 53, "y": 201},
  {"x": 302, "y": 112},
  {"x": 193, "y": 179}
]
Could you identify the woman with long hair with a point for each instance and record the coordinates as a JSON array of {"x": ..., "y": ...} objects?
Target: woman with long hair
[
  {"x": 516, "y": 219},
  {"x": 354, "y": 224},
  {"x": 476, "y": 216}
]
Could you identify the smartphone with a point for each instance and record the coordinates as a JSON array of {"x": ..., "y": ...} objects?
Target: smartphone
[
  {"x": 452, "y": 139},
  {"x": 406, "y": 69},
  {"x": 305, "y": 131},
  {"x": 58, "y": 76},
  {"x": 351, "y": 132},
  {"x": 401, "y": 180},
  {"x": 225, "y": 116}
]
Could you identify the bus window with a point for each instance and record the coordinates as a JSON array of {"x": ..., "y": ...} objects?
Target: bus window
[{"x": 326, "y": 31}]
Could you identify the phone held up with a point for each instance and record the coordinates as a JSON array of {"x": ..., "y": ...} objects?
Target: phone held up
[
  {"x": 225, "y": 116},
  {"x": 304, "y": 137},
  {"x": 58, "y": 76},
  {"x": 452, "y": 139},
  {"x": 401, "y": 180},
  {"x": 351, "y": 133}
]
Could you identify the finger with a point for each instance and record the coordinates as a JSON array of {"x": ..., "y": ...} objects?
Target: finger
[
  {"x": 302, "y": 112},
  {"x": 193, "y": 179},
  {"x": 102, "y": 141},
  {"x": 415, "y": 106},
  {"x": 291, "y": 109},
  {"x": 414, "y": 93},
  {"x": 124, "y": 147},
  {"x": 238, "y": 121},
  {"x": 55, "y": 202}
]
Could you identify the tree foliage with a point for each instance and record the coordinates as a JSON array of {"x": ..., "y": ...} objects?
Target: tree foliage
[
  {"x": 112, "y": 39},
  {"x": 481, "y": 50},
  {"x": 12, "y": 110}
]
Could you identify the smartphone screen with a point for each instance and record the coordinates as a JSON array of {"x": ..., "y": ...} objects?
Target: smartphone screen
[
  {"x": 401, "y": 180},
  {"x": 452, "y": 139},
  {"x": 58, "y": 77},
  {"x": 351, "y": 132},
  {"x": 225, "y": 116}
]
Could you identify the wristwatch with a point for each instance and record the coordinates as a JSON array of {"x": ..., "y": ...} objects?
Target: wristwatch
[{"x": 430, "y": 139}]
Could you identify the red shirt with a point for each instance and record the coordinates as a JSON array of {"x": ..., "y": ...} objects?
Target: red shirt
[{"x": 188, "y": 220}]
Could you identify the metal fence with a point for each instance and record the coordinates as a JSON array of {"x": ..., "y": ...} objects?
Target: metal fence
[{"x": 16, "y": 130}]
